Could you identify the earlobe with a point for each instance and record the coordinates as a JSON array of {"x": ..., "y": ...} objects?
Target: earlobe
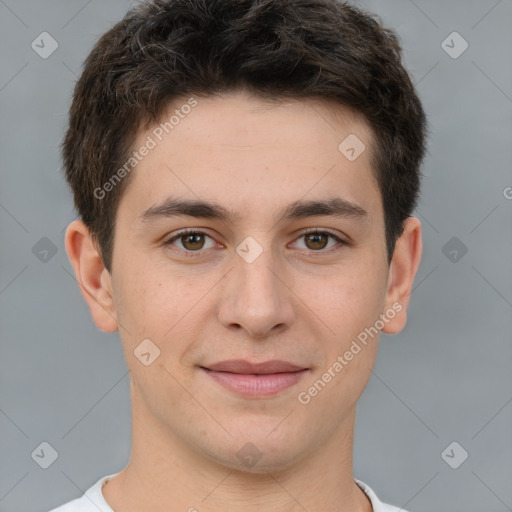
[
  {"x": 92, "y": 276},
  {"x": 403, "y": 268}
]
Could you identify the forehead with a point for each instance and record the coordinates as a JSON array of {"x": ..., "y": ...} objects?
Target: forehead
[
  {"x": 237, "y": 149},
  {"x": 242, "y": 114}
]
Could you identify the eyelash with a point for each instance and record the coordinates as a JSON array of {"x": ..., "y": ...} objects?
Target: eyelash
[{"x": 316, "y": 231}]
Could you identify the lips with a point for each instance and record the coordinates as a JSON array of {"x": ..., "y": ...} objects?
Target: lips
[
  {"x": 255, "y": 380},
  {"x": 245, "y": 367}
]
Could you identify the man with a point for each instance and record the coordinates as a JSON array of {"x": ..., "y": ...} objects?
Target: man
[{"x": 245, "y": 173}]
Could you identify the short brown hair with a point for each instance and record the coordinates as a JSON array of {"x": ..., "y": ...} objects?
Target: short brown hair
[{"x": 278, "y": 49}]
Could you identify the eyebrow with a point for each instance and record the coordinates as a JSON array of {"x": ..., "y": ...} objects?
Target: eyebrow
[{"x": 173, "y": 207}]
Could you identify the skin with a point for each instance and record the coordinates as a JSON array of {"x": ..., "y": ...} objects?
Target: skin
[{"x": 298, "y": 301}]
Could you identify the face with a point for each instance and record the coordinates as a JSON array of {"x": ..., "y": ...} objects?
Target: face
[{"x": 261, "y": 322}]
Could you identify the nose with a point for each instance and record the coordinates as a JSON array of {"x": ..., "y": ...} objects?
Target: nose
[{"x": 256, "y": 296}]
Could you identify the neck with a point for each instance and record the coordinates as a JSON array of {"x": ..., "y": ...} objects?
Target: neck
[{"x": 164, "y": 471}]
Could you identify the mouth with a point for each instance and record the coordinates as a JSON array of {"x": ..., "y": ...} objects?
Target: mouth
[{"x": 255, "y": 379}]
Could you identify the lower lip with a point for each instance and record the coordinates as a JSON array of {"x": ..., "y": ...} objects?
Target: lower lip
[{"x": 256, "y": 385}]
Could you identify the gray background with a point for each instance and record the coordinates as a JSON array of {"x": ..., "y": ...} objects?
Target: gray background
[{"x": 445, "y": 378}]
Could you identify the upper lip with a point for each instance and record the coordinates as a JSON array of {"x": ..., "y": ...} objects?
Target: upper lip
[{"x": 246, "y": 367}]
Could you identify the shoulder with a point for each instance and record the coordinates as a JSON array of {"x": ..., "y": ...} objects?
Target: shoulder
[
  {"x": 91, "y": 501},
  {"x": 78, "y": 505},
  {"x": 378, "y": 506}
]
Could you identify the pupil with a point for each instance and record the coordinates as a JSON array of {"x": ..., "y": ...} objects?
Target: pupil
[
  {"x": 194, "y": 239},
  {"x": 316, "y": 237}
]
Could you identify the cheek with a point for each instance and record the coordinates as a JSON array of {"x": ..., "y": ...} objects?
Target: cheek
[
  {"x": 349, "y": 307},
  {"x": 161, "y": 305},
  {"x": 347, "y": 300}
]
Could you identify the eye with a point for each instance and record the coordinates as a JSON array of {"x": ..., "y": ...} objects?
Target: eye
[
  {"x": 317, "y": 240},
  {"x": 191, "y": 240}
]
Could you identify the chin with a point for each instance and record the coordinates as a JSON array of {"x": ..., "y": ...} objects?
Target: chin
[{"x": 258, "y": 454}]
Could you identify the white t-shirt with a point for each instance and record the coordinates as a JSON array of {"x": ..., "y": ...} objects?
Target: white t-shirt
[{"x": 93, "y": 500}]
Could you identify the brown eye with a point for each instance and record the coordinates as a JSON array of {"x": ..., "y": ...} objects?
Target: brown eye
[
  {"x": 190, "y": 241},
  {"x": 316, "y": 241},
  {"x": 319, "y": 241},
  {"x": 193, "y": 242}
]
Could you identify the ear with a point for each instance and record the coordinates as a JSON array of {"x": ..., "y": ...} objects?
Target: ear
[
  {"x": 92, "y": 276},
  {"x": 402, "y": 270}
]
